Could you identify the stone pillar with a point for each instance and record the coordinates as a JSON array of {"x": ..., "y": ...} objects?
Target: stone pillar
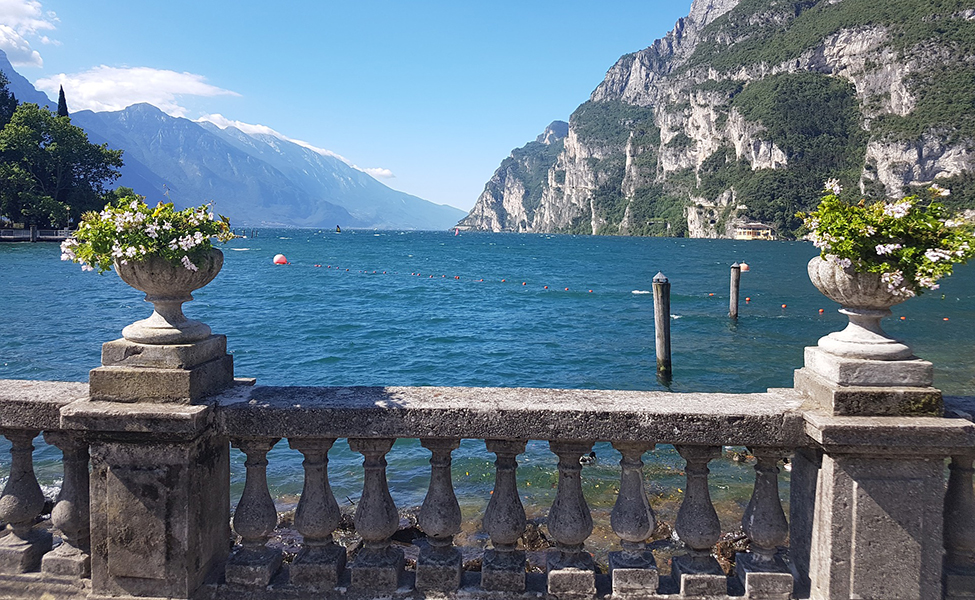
[
  {"x": 20, "y": 505},
  {"x": 377, "y": 567},
  {"x": 160, "y": 496},
  {"x": 440, "y": 565},
  {"x": 634, "y": 570},
  {"x": 876, "y": 523},
  {"x": 571, "y": 570},
  {"x": 761, "y": 570},
  {"x": 320, "y": 562},
  {"x": 70, "y": 515},
  {"x": 959, "y": 529},
  {"x": 503, "y": 567},
  {"x": 254, "y": 564},
  {"x": 697, "y": 572}
]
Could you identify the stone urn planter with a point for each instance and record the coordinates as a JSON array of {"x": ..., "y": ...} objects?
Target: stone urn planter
[
  {"x": 865, "y": 301},
  {"x": 168, "y": 286}
]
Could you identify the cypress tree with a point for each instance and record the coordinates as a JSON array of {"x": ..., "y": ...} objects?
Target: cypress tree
[{"x": 62, "y": 104}]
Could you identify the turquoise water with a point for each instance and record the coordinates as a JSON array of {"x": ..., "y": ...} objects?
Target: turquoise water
[{"x": 432, "y": 308}]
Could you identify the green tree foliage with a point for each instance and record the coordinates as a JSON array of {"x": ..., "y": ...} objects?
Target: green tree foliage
[
  {"x": 8, "y": 104},
  {"x": 49, "y": 171},
  {"x": 62, "y": 103}
]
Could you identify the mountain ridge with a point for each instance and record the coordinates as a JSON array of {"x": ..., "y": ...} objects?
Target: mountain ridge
[
  {"x": 742, "y": 111},
  {"x": 254, "y": 179}
]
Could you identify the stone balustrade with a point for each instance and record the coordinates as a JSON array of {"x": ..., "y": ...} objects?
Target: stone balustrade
[{"x": 870, "y": 516}]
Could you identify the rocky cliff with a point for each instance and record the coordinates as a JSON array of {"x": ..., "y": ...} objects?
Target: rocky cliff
[{"x": 743, "y": 110}]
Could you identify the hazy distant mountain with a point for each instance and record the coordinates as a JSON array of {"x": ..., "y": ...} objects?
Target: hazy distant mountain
[{"x": 253, "y": 179}]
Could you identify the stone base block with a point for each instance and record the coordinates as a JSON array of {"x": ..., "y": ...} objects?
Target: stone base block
[
  {"x": 840, "y": 400},
  {"x": 253, "y": 568},
  {"x": 123, "y": 353},
  {"x": 571, "y": 582},
  {"x": 913, "y": 372},
  {"x": 377, "y": 574},
  {"x": 763, "y": 585},
  {"x": 318, "y": 567},
  {"x": 503, "y": 571},
  {"x": 66, "y": 561},
  {"x": 958, "y": 585},
  {"x": 151, "y": 384},
  {"x": 701, "y": 585},
  {"x": 442, "y": 574},
  {"x": 24, "y": 555},
  {"x": 633, "y": 573}
]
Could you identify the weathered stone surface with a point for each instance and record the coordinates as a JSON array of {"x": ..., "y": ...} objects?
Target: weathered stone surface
[
  {"x": 771, "y": 418},
  {"x": 151, "y": 384},
  {"x": 151, "y": 534},
  {"x": 697, "y": 585},
  {"x": 867, "y": 400},
  {"x": 151, "y": 420},
  {"x": 36, "y": 404},
  {"x": 862, "y": 372},
  {"x": 768, "y": 586},
  {"x": 571, "y": 583},
  {"x": 633, "y": 582},
  {"x": 443, "y": 575},
  {"x": 503, "y": 571},
  {"x": 318, "y": 567},
  {"x": 123, "y": 353},
  {"x": 24, "y": 555},
  {"x": 900, "y": 436},
  {"x": 253, "y": 568},
  {"x": 378, "y": 576}
]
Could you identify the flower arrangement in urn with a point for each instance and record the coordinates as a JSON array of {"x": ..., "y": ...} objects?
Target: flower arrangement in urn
[
  {"x": 164, "y": 252},
  {"x": 911, "y": 243},
  {"x": 873, "y": 256},
  {"x": 129, "y": 230}
]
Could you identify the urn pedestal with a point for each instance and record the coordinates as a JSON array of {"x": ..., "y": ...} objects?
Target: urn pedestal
[
  {"x": 861, "y": 371},
  {"x": 166, "y": 357}
]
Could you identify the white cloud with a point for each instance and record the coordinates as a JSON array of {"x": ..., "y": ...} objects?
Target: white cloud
[
  {"x": 21, "y": 20},
  {"x": 223, "y": 122},
  {"x": 379, "y": 172},
  {"x": 106, "y": 88}
]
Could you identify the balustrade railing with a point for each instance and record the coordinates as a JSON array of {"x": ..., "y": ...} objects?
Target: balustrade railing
[{"x": 772, "y": 425}]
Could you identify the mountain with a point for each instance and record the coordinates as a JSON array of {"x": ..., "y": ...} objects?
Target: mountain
[
  {"x": 253, "y": 179},
  {"x": 742, "y": 112}
]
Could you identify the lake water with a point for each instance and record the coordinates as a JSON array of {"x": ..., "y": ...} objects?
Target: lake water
[{"x": 434, "y": 308}]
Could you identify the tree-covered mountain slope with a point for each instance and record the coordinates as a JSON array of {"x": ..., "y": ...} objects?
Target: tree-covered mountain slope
[{"x": 745, "y": 109}]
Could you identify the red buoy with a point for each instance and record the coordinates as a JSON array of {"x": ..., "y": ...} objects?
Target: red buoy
[{"x": 279, "y": 259}]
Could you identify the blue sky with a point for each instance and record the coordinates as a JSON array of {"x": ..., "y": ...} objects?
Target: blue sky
[{"x": 428, "y": 96}]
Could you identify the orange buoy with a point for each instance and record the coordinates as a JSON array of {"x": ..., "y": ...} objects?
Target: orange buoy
[
  {"x": 903, "y": 318},
  {"x": 748, "y": 299},
  {"x": 567, "y": 289},
  {"x": 710, "y": 294},
  {"x": 744, "y": 266},
  {"x": 821, "y": 311},
  {"x": 590, "y": 291},
  {"x": 502, "y": 281},
  {"x": 523, "y": 283},
  {"x": 546, "y": 287},
  {"x": 279, "y": 259},
  {"x": 945, "y": 319},
  {"x": 783, "y": 306}
]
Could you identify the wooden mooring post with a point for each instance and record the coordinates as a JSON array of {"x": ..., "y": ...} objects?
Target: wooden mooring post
[
  {"x": 735, "y": 283},
  {"x": 661, "y": 322}
]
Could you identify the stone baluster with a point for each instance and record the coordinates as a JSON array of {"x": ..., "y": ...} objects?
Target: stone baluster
[
  {"x": 20, "y": 505},
  {"x": 503, "y": 567},
  {"x": 959, "y": 529},
  {"x": 254, "y": 564},
  {"x": 571, "y": 570},
  {"x": 71, "y": 513},
  {"x": 377, "y": 567},
  {"x": 634, "y": 570},
  {"x": 698, "y": 527},
  {"x": 320, "y": 562},
  {"x": 440, "y": 565},
  {"x": 761, "y": 570}
]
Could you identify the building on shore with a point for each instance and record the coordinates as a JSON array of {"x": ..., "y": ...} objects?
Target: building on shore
[{"x": 754, "y": 231}]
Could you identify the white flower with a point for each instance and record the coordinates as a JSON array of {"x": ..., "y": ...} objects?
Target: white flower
[
  {"x": 130, "y": 251},
  {"x": 936, "y": 254},
  {"x": 843, "y": 262},
  {"x": 937, "y": 189},
  {"x": 189, "y": 265},
  {"x": 954, "y": 223},
  {"x": 870, "y": 230},
  {"x": 134, "y": 204},
  {"x": 897, "y": 210},
  {"x": 928, "y": 282},
  {"x": 833, "y": 185},
  {"x": 87, "y": 267},
  {"x": 152, "y": 230},
  {"x": 883, "y": 249},
  {"x": 67, "y": 249}
]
